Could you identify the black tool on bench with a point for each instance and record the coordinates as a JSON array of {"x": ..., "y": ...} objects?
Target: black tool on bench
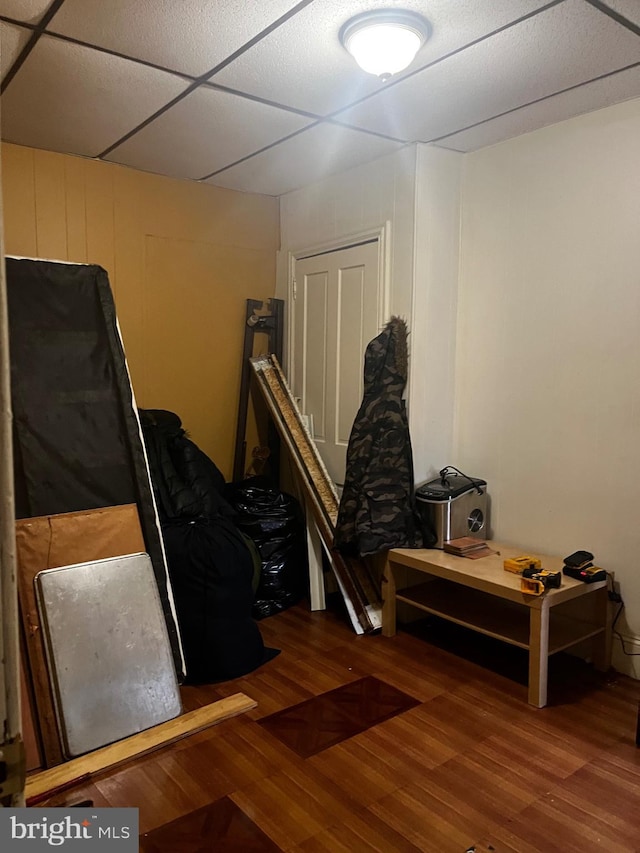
[
  {"x": 579, "y": 565},
  {"x": 549, "y": 580}
]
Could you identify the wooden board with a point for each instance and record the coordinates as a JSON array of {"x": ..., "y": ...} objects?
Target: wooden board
[
  {"x": 47, "y": 542},
  {"x": 55, "y": 779}
]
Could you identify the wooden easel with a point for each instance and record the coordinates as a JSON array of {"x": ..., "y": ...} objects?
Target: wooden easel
[{"x": 271, "y": 324}]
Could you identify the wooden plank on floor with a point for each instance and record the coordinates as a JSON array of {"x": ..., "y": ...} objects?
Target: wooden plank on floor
[{"x": 80, "y": 769}]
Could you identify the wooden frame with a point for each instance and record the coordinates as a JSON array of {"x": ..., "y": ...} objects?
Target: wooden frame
[{"x": 353, "y": 575}]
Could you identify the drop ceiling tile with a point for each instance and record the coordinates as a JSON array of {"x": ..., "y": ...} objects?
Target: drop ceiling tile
[
  {"x": 568, "y": 44},
  {"x": 205, "y": 132},
  {"x": 73, "y": 99},
  {"x": 629, "y": 9},
  {"x": 592, "y": 96},
  {"x": 12, "y": 40},
  {"x": 316, "y": 153},
  {"x": 303, "y": 65},
  {"x": 190, "y": 36},
  {"x": 29, "y": 11}
]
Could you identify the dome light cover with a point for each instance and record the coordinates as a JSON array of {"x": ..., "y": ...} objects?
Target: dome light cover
[{"x": 384, "y": 42}]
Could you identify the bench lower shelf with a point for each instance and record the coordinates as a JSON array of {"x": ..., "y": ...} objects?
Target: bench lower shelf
[{"x": 504, "y": 620}]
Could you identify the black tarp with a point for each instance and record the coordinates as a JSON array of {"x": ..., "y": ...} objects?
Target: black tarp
[{"x": 77, "y": 441}]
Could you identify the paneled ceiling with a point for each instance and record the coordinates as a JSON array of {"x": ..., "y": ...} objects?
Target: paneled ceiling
[{"x": 261, "y": 96}]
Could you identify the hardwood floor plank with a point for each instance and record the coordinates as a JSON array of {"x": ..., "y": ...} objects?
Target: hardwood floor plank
[
  {"x": 241, "y": 756},
  {"x": 384, "y": 758},
  {"x": 302, "y": 633},
  {"x": 294, "y": 806},
  {"x": 78, "y": 794},
  {"x": 553, "y": 824},
  {"x": 218, "y": 826},
  {"x": 354, "y": 769},
  {"x": 626, "y": 755},
  {"x": 606, "y": 796},
  {"x": 158, "y": 797},
  {"x": 482, "y": 783},
  {"x": 319, "y": 673},
  {"x": 364, "y": 833},
  {"x": 432, "y": 824},
  {"x": 547, "y": 759},
  {"x": 581, "y": 735},
  {"x": 458, "y": 722},
  {"x": 273, "y": 690}
]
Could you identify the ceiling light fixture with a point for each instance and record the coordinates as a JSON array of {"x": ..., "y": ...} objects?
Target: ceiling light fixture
[{"x": 385, "y": 41}]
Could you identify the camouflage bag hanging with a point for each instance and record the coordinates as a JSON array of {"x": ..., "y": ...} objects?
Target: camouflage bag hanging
[{"x": 377, "y": 506}]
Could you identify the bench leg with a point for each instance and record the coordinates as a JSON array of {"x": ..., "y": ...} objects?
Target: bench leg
[
  {"x": 388, "y": 601},
  {"x": 602, "y": 642},
  {"x": 538, "y": 653}
]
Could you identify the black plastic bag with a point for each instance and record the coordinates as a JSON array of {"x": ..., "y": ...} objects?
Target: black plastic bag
[
  {"x": 211, "y": 571},
  {"x": 275, "y": 522}
]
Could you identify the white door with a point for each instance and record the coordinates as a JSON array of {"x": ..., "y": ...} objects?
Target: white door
[{"x": 337, "y": 310}]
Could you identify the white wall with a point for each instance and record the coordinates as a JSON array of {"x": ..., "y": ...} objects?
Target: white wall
[
  {"x": 548, "y": 342},
  {"x": 431, "y": 392},
  {"x": 362, "y": 198}
]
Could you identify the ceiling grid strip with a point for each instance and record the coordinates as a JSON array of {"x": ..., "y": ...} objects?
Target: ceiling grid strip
[
  {"x": 205, "y": 77},
  {"x": 26, "y": 50},
  {"x": 615, "y": 16},
  {"x": 531, "y": 103}
]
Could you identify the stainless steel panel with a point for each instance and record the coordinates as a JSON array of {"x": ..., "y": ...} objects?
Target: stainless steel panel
[
  {"x": 108, "y": 650},
  {"x": 465, "y": 515}
]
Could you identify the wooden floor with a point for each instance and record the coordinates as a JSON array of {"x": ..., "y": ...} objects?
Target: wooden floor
[{"x": 459, "y": 761}]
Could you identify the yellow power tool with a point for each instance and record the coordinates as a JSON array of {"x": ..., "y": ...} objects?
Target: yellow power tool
[
  {"x": 537, "y": 581},
  {"x": 518, "y": 564}
]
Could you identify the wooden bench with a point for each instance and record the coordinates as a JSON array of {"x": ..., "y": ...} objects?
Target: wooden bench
[{"x": 481, "y": 595}]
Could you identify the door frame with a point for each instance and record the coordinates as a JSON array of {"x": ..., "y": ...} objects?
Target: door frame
[
  {"x": 11, "y": 745},
  {"x": 381, "y": 234}
]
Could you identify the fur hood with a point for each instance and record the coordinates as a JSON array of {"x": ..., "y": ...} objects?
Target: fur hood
[{"x": 386, "y": 359}]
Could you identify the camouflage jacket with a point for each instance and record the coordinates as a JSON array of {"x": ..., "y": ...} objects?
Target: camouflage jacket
[{"x": 377, "y": 508}]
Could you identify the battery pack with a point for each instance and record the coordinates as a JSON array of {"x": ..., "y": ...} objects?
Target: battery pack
[
  {"x": 518, "y": 564},
  {"x": 589, "y": 574}
]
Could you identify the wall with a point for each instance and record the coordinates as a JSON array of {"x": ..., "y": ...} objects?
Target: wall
[
  {"x": 182, "y": 259},
  {"x": 431, "y": 391},
  {"x": 365, "y": 197},
  {"x": 548, "y": 343}
]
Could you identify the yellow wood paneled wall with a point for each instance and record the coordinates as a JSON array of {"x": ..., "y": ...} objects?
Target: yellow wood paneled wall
[{"x": 182, "y": 258}]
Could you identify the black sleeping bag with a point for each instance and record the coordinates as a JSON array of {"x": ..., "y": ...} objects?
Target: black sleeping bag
[{"x": 211, "y": 570}]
